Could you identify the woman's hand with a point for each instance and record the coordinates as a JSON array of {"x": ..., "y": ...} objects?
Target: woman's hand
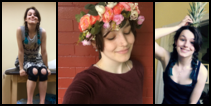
[
  {"x": 185, "y": 21},
  {"x": 22, "y": 72},
  {"x": 49, "y": 72}
]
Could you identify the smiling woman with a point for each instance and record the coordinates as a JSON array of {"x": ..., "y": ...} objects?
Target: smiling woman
[
  {"x": 184, "y": 76},
  {"x": 30, "y": 38},
  {"x": 109, "y": 80}
]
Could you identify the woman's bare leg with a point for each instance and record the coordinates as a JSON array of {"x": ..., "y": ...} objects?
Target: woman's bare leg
[
  {"x": 30, "y": 88},
  {"x": 43, "y": 87}
]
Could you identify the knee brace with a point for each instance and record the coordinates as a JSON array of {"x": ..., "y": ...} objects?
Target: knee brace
[
  {"x": 43, "y": 77},
  {"x": 31, "y": 75}
]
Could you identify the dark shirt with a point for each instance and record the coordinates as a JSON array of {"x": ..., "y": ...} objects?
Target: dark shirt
[
  {"x": 175, "y": 93},
  {"x": 95, "y": 86}
]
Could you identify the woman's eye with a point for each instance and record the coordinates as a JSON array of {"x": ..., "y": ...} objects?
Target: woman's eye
[
  {"x": 111, "y": 38},
  {"x": 192, "y": 43},
  {"x": 182, "y": 39},
  {"x": 127, "y": 33}
]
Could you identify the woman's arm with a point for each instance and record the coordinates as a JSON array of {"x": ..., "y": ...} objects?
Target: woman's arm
[
  {"x": 20, "y": 51},
  {"x": 43, "y": 49},
  {"x": 160, "y": 53},
  {"x": 199, "y": 87}
]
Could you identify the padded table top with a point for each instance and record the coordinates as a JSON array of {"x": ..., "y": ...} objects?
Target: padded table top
[{"x": 15, "y": 71}]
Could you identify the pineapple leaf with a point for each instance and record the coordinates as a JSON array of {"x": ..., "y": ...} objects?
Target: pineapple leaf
[{"x": 196, "y": 12}]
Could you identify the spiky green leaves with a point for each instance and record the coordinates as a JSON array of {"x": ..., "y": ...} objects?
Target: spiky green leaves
[{"x": 196, "y": 12}]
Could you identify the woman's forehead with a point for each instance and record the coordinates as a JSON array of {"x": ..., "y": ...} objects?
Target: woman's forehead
[
  {"x": 31, "y": 11},
  {"x": 187, "y": 34}
]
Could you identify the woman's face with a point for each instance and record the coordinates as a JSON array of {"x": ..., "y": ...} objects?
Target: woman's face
[
  {"x": 118, "y": 44},
  {"x": 185, "y": 44},
  {"x": 31, "y": 17}
]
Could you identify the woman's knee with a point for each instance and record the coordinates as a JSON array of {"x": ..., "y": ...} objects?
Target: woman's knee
[
  {"x": 32, "y": 73},
  {"x": 43, "y": 76},
  {"x": 43, "y": 71},
  {"x": 35, "y": 71}
]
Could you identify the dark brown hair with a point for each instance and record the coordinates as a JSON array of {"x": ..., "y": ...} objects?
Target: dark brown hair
[
  {"x": 197, "y": 40},
  {"x": 100, "y": 39},
  {"x": 38, "y": 24},
  {"x": 197, "y": 45}
]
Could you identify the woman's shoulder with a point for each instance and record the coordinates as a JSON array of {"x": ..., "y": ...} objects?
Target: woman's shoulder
[
  {"x": 202, "y": 71},
  {"x": 137, "y": 65},
  {"x": 87, "y": 75},
  {"x": 43, "y": 31},
  {"x": 20, "y": 28}
]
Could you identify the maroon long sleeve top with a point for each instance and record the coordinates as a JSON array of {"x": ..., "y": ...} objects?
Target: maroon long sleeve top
[{"x": 95, "y": 86}]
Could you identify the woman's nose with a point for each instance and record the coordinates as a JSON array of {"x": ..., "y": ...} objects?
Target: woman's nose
[
  {"x": 123, "y": 40},
  {"x": 187, "y": 44}
]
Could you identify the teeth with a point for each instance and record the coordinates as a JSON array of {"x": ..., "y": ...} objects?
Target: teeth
[{"x": 184, "y": 50}]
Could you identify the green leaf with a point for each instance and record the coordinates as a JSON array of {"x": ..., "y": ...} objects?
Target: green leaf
[
  {"x": 138, "y": 26},
  {"x": 126, "y": 14},
  {"x": 93, "y": 12},
  {"x": 80, "y": 37},
  {"x": 93, "y": 31},
  {"x": 98, "y": 28},
  {"x": 102, "y": 3},
  {"x": 123, "y": 23},
  {"x": 78, "y": 16},
  {"x": 89, "y": 6}
]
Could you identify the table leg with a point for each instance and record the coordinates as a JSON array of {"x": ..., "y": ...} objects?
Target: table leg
[{"x": 14, "y": 89}]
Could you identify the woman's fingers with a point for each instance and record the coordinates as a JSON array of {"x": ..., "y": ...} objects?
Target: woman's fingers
[
  {"x": 49, "y": 72},
  {"x": 23, "y": 73}
]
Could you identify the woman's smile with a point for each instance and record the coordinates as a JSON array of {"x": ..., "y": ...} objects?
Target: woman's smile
[
  {"x": 124, "y": 51},
  {"x": 184, "y": 50}
]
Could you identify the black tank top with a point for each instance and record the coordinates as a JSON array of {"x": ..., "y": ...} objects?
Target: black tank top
[{"x": 175, "y": 93}]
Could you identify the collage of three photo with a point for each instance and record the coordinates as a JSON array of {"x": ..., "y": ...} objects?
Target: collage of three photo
[{"x": 105, "y": 52}]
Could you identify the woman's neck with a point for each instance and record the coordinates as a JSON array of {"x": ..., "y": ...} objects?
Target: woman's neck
[
  {"x": 184, "y": 62},
  {"x": 111, "y": 65},
  {"x": 31, "y": 28}
]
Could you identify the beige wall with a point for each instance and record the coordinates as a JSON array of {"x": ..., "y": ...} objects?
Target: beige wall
[
  {"x": 12, "y": 18},
  {"x": 171, "y": 12}
]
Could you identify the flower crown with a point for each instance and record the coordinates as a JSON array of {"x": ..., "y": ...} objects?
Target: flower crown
[{"x": 106, "y": 14}]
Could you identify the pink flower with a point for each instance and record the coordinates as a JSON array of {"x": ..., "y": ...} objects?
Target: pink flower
[
  {"x": 108, "y": 15},
  {"x": 106, "y": 25},
  {"x": 126, "y": 6},
  {"x": 118, "y": 19},
  {"x": 85, "y": 42},
  {"x": 140, "y": 20},
  {"x": 88, "y": 35}
]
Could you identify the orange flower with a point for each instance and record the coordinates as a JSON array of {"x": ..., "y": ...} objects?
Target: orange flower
[
  {"x": 108, "y": 15},
  {"x": 118, "y": 8},
  {"x": 85, "y": 22},
  {"x": 94, "y": 19}
]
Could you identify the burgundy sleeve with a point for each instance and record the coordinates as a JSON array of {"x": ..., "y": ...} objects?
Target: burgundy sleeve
[{"x": 80, "y": 90}]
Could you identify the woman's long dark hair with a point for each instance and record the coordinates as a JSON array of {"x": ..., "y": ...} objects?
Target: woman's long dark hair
[
  {"x": 197, "y": 45},
  {"x": 37, "y": 26}
]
